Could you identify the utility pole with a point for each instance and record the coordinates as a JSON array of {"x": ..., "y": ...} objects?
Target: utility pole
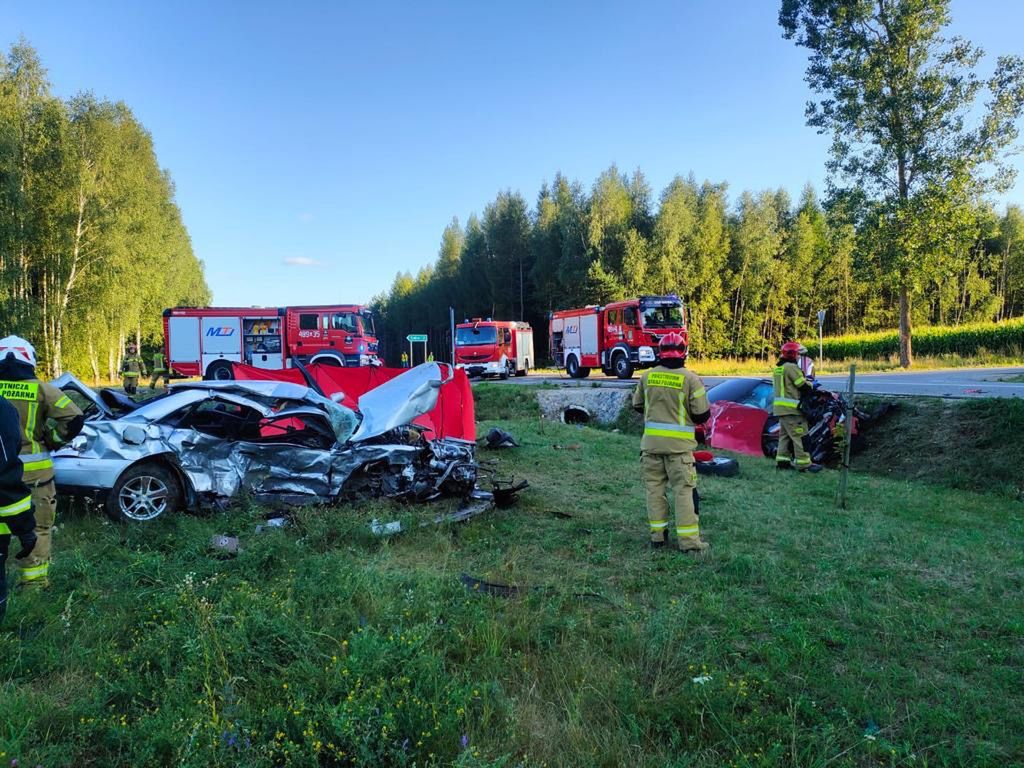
[
  {"x": 845, "y": 469},
  {"x": 451, "y": 320},
  {"x": 821, "y": 343}
]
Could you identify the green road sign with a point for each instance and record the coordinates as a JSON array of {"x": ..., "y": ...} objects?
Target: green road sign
[{"x": 416, "y": 337}]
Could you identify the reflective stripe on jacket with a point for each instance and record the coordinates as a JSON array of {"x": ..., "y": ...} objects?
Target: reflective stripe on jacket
[
  {"x": 670, "y": 397},
  {"x": 787, "y": 379}
]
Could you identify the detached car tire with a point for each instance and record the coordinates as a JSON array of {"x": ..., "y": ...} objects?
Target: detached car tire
[
  {"x": 720, "y": 466},
  {"x": 144, "y": 492}
]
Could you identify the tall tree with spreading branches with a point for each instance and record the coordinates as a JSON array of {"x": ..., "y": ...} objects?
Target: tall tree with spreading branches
[{"x": 898, "y": 100}]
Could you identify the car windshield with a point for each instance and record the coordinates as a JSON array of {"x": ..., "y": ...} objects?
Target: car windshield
[
  {"x": 733, "y": 391},
  {"x": 663, "y": 317},
  {"x": 753, "y": 392},
  {"x": 481, "y": 334}
]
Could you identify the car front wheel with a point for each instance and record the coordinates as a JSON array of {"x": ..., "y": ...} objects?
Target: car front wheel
[{"x": 144, "y": 492}]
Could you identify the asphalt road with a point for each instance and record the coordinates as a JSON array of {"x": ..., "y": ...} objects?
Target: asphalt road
[{"x": 953, "y": 382}]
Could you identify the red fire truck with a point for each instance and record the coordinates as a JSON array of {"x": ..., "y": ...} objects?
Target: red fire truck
[
  {"x": 206, "y": 341},
  {"x": 618, "y": 338},
  {"x": 494, "y": 347}
]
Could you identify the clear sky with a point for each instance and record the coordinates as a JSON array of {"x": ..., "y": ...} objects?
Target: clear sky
[{"x": 319, "y": 148}]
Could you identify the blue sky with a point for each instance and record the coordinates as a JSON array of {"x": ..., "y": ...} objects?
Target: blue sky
[{"x": 319, "y": 148}]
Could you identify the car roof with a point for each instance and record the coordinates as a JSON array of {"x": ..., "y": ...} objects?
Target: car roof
[{"x": 280, "y": 390}]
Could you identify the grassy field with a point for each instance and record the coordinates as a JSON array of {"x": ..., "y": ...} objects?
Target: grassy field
[{"x": 887, "y": 634}]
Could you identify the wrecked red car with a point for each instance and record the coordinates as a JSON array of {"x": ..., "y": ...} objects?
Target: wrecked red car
[{"x": 741, "y": 421}]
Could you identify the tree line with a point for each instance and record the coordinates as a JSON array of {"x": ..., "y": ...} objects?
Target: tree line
[
  {"x": 92, "y": 244},
  {"x": 753, "y": 269},
  {"x": 904, "y": 235}
]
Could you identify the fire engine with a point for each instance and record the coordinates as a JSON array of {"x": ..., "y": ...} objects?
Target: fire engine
[
  {"x": 206, "y": 341},
  {"x": 494, "y": 347},
  {"x": 618, "y": 338}
]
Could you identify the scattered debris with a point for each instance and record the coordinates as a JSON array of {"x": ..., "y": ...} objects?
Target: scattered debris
[
  {"x": 562, "y": 515},
  {"x": 377, "y": 528},
  {"x": 506, "y": 492},
  {"x": 274, "y": 522},
  {"x": 481, "y": 587},
  {"x": 702, "y": 679},
  {"x": 499, "y": 438},
  {"x": 226, "y": 544},
  {"x": 573, "y": 447}
]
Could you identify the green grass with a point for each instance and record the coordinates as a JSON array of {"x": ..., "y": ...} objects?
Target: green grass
[
  {"x": 887, "y": 634},
  {"x": 969, "y": 444}
]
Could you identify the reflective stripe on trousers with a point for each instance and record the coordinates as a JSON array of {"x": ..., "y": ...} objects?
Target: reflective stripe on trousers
[{"x": 35, "y": 572}]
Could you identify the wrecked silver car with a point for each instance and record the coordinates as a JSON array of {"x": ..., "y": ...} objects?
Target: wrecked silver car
[{"x": 206, "y": 442}]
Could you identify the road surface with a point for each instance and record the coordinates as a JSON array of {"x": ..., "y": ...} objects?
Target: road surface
[{"x": 952, "y": 382}]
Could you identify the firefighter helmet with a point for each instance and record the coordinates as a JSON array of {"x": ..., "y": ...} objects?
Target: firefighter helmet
[
  {"x": 19, "y": 349},
  {"x": 673, "y": 345},
  {"x": 790, "y": 351}
]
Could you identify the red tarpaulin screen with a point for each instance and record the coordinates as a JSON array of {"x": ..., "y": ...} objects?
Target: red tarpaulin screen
[{"x": 453, "y": 416}]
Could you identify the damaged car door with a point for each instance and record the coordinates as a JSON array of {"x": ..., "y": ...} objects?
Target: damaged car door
[{"x": 227, "y": 443}]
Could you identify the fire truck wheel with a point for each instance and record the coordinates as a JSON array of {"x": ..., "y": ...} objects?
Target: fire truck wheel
[
  {"x": 504, "y": 373},
  {"x": 622, "y": 367},
  {"x": 219, "y": 370},
  {"x": 526, "y": 369},
  {"x": 572, "y": 367}
]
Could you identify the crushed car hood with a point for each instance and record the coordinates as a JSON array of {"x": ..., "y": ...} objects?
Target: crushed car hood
[{"x": 399, "y": 401}]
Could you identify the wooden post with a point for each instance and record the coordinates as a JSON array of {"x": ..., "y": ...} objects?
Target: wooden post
[{"x": 845, "y": 468}]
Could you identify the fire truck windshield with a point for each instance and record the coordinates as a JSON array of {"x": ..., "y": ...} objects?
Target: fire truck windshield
[
  {"x": 663, "y": 317},
  {"x": 481, "y": 334}
]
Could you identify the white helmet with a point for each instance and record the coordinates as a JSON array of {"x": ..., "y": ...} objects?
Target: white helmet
[{"x": 22, "y": 351}]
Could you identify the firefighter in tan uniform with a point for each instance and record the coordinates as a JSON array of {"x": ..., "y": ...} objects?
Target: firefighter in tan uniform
[
  {"x": 160, "y": 372},
  {"x": 132, "y": 367},
  {"x": 673, "y": 401},
  {"x": 790, "y": 383},
  {"x": 48, "y": 420}
]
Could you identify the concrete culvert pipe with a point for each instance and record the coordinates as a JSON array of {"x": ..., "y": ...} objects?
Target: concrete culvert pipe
[{"x": 575, "y": 414}]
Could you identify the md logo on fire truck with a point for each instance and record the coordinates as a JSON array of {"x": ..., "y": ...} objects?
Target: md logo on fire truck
[{"x": 225, "y": 331}]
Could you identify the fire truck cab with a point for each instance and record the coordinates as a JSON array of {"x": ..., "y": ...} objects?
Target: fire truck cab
[
  {"x": 618, "y": 338},
  {"x": 494, "y": 347},
  {"x": 205, "y": 341}
]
